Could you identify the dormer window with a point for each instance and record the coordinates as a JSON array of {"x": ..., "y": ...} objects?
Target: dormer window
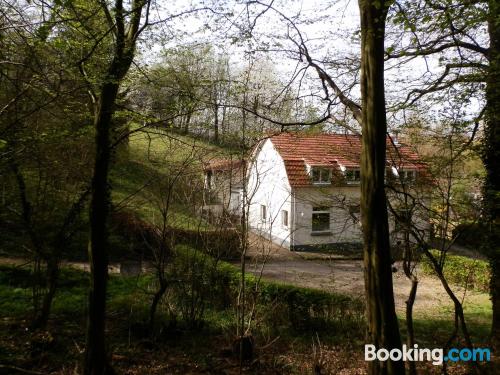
[
  {"x": 352, "y": 176},
  {"x": 321, "y": 175},
  {"x": 407, "y": 175}
]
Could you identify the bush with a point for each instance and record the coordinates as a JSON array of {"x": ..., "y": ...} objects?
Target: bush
[
  {"x": 219, "y": 243},
  {"x": 470, "y": 235},
  {"x": 223, "y": 243},
  {"x": 464, "y": 271},
  {"x": 300, "y": 308}
]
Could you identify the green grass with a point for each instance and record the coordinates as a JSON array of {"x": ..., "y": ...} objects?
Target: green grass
[
  {"x": 434, "y": 326},
  {"x": 151, "y": 159},
  {"x": 302, "y": 308},
  {"x": 293, "y": 314}
]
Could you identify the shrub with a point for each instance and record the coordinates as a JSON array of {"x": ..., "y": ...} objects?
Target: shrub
[
  {"x": 464, "y": 271},
  {"x": 222, "y": 243},
  {"x": 284, "y": 304},
  {"x": 219, "y": 243},
  {"x": 470, "y": 235}
]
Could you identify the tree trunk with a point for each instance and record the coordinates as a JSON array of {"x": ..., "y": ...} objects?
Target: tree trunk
[
  {"x": 95, "y": 362},
  {"x": 491, "y": 159},
  {"x": 41, "y": 319},
  {"x": 187, "y": 122},
  {"x": 154, "y": 304},
  {"x": 95, "y": 355},
  {"x": 383, "y": 329},
  {"x": 409, "y": 273},
  {"x": 216, "y": 123},
  {"x": 410, "y": 340}
]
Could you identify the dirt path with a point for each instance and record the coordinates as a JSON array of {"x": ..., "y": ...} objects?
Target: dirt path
[
  {"x": 337, "y": 274},
  {"x": 346, "y": 276}
]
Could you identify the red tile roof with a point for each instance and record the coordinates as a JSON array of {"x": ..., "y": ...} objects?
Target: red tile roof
[
  {"x": 332, "y": 150},
  {"x": 223, "y": 164}
]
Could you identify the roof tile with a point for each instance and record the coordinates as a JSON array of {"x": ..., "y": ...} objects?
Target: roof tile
[{"x": 332, "y": 150}]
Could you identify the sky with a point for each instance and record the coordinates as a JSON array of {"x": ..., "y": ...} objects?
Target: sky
[{"x": 331, "y": 31}]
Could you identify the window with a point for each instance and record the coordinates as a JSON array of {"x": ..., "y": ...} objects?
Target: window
[
  {"x": 407, "y": 176},
  {"x": 354, "y": 212},
  {"x": 321, "y": 219},
  {"x": 321, "y": 175},
  {"x": 353, "y": 176},
  {"x": 263, "y": 212},
  {"x": 284, "y": 218}
]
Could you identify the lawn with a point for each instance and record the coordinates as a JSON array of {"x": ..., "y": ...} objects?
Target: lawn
[{"x": 142, "y": 172}]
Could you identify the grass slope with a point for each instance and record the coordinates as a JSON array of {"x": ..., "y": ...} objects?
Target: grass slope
[{"x": 152, "y": 157}]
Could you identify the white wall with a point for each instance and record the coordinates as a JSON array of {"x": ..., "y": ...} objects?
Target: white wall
[
  {"x": 268, "y": 185},
  {"x": 344, "y": 228}
]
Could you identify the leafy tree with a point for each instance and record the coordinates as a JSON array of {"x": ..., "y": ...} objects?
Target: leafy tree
[
  {"x": 125, "y": 26},
  {"x": 464, "y": 36},
  {"x": 42, "y": 118}
]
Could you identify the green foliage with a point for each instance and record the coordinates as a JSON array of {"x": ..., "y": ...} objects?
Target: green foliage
[
  {"x": 286, "y": 305},
  {"x": 159, "y": 164},
  {"x": 464, "y": 271},
  {"x": 279, "y": 306},
  {"x": 470, "y": 234}
]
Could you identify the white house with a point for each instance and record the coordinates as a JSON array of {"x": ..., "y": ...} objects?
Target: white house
[
  {"x": 223, "y": 194},
  {"x": 303, "y": 189}
]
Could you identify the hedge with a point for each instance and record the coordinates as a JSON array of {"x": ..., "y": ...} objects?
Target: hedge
[
  {"x": 299, "y": 307},
  {"x": 464, "y": 271},
  {"x": 223, "y": 243},
  {"x": 470, "y": 235}
]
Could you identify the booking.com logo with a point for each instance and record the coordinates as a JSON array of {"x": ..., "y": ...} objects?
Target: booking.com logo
[{"x": 417, "y": 354}]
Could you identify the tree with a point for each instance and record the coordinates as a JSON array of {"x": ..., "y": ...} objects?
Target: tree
[
  {"x": 458, "y": 32},
  {"x": 42, "y": 103},
  {"x": 440, "y": 195},
  {"x": 125, "y": 26},
  {"x": 491, "y": 159},
  {"x": 383, "y": 330}
]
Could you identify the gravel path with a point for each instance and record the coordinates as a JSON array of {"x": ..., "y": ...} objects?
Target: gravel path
[
  {"x": 336, "y": 274},
  {"x": 346, "y": 276}
]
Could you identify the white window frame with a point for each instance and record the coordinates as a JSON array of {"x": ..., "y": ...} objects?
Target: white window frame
[
  {"x": 402, "y": 225},
  {"x": 263, "y": 212},
  {"x": 321, "y": 210},
  {"x": 209, "y": 176},
  {"x": 407, "y": 175},
  {"x": 322, "y": 172},
  {"x": 352, "y": 175}
]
